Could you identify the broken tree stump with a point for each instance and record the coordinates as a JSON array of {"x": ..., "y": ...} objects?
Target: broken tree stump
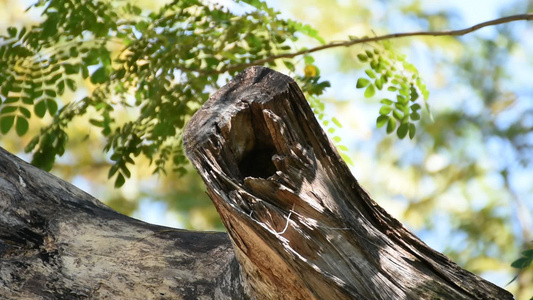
[{"x": 300, "y": 224}]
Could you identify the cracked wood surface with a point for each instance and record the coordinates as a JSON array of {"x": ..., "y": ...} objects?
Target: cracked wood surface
[
  {"x": 300, "y": 224},
  {"x": 57, "y": 242}
]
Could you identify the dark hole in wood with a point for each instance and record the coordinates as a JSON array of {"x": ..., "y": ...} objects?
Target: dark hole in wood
[{"x": 258, "y": 162}]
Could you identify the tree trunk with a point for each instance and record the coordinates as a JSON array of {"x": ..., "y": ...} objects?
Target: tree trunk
[
  {"x": 300, "y": 224},
  {"x": 57, "y": 242}
]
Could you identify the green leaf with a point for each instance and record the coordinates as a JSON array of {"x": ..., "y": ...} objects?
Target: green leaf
[
  {"x": 125, "y": 170},
  {"x": 386, "y": 101},
  {"x": 347, "y": 159},
  {"x": 414, "y": 94},
  {"x": 424, "y": 91},
  {"x": 412, "y": 130},
  {"x": 382, "y": 120},
  {"x": 11, "y": 100},
  {"x": 6, "y": 123},
  {"x": 362, "y": 82},
  {"x": 362, "y": 57},
  {"x": 8, "y": 109},
  {"x": 98, "y": 123},
  {"x": 73, "y": 52},
  {"x": 136, "y": 10},
  {"x": 370, "y": 91},
  {"x": 52, "y": 106},
  {"x": 397, "y": 114},
  {"x": 401, "y": 106},
  {"x": 31, "y": 145},
  {"x": 307, "y": 30},
  {"x": 385, "y": 110},
  {"x": 309, "y": 60},
  {"x": 40, "y": 108},
  {"x": 50, "y": 25},
  {"x": 50, "y": 93},
  {"x": 401, "y": 99},
  {"x": 24, "y": 111},
  {"x": 404, "y": 92},
  {"x": 415, "y": 116},
  {"x": 71, "y": 84},
  {"x": 84, "y": 72},
  {"x": 141, "y": 26},
  {"x": 415, "y": 107},
  {"x": 379, "y": 83},
  {"x": 99, "y": 76},
  {"x": 528, "y": 253},
  {"x": 391, "y": 125},
  {"x": 342, "y": 148},
  {"x": 12, "y": 31},
  {"x": 521, "y": 263},
  {"x": 119, "y": 181},
  {"x": 370, "y": 73},
  {"x": 21, "y": 126},
  {"x": 71, "y": 69},
  {"x": 402, "y": 130},
  {"x": 289, "y": 65},
  {"x": 336, "y": 122}
]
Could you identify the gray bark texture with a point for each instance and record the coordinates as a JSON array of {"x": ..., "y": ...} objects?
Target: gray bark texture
[
  {"x": 300, "y": 224},
  {"x": 58, "y": 242}
]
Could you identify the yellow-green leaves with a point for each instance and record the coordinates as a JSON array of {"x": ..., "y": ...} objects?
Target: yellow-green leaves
[
  {"x": 387, "y": 68},
  {"x": 370, "y": 91},
  {"x": 362, "y": 82}
]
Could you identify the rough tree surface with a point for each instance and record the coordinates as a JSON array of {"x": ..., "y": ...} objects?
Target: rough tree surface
[
  {"x": 57, "y": 242},
  {"x": 301, "y": 225}
]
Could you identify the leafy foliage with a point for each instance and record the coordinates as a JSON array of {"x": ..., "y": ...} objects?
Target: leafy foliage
[
  {"x": 389, "y": 69},
  {"x": 522, "y": 262},
  {"x": 163, "y": 64},
  {"x": 170, "y": 61},
  {"x": 525, "y": 261}
]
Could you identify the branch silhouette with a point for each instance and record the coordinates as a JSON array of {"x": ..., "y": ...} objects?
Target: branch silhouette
[{"x": 459, "y": 32}]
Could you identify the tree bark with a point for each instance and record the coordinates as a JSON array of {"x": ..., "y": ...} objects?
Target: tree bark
[
  {"x": 300, "y": 224},
  {"x": 57, "y": 242}
]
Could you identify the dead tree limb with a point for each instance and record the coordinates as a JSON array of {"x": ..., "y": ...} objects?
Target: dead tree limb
[
  {"x": 301, "y": 226},
  {"x": 57, "y": 242}
]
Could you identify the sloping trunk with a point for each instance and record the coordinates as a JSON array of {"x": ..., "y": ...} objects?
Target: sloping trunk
[
  {"x": 58, "y": 242},
  {"x": 301, "y": 226}
]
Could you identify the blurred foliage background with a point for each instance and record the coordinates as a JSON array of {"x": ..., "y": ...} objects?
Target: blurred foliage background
[{"x": 464, "y": 184}]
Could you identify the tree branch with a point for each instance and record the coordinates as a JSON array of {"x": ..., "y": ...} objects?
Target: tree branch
[{"x": 459, "y": 32}]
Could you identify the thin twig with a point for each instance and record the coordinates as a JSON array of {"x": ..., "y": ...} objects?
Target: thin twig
[{"x": 460, "y": 32}]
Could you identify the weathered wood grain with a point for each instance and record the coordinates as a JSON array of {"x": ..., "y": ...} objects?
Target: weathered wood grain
[
  {"x": 301, "y": 225},
  {"x": 57, "y": 242}
]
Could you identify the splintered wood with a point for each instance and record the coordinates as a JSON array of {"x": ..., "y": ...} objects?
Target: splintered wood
[{"x": 301, "y": 225}]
